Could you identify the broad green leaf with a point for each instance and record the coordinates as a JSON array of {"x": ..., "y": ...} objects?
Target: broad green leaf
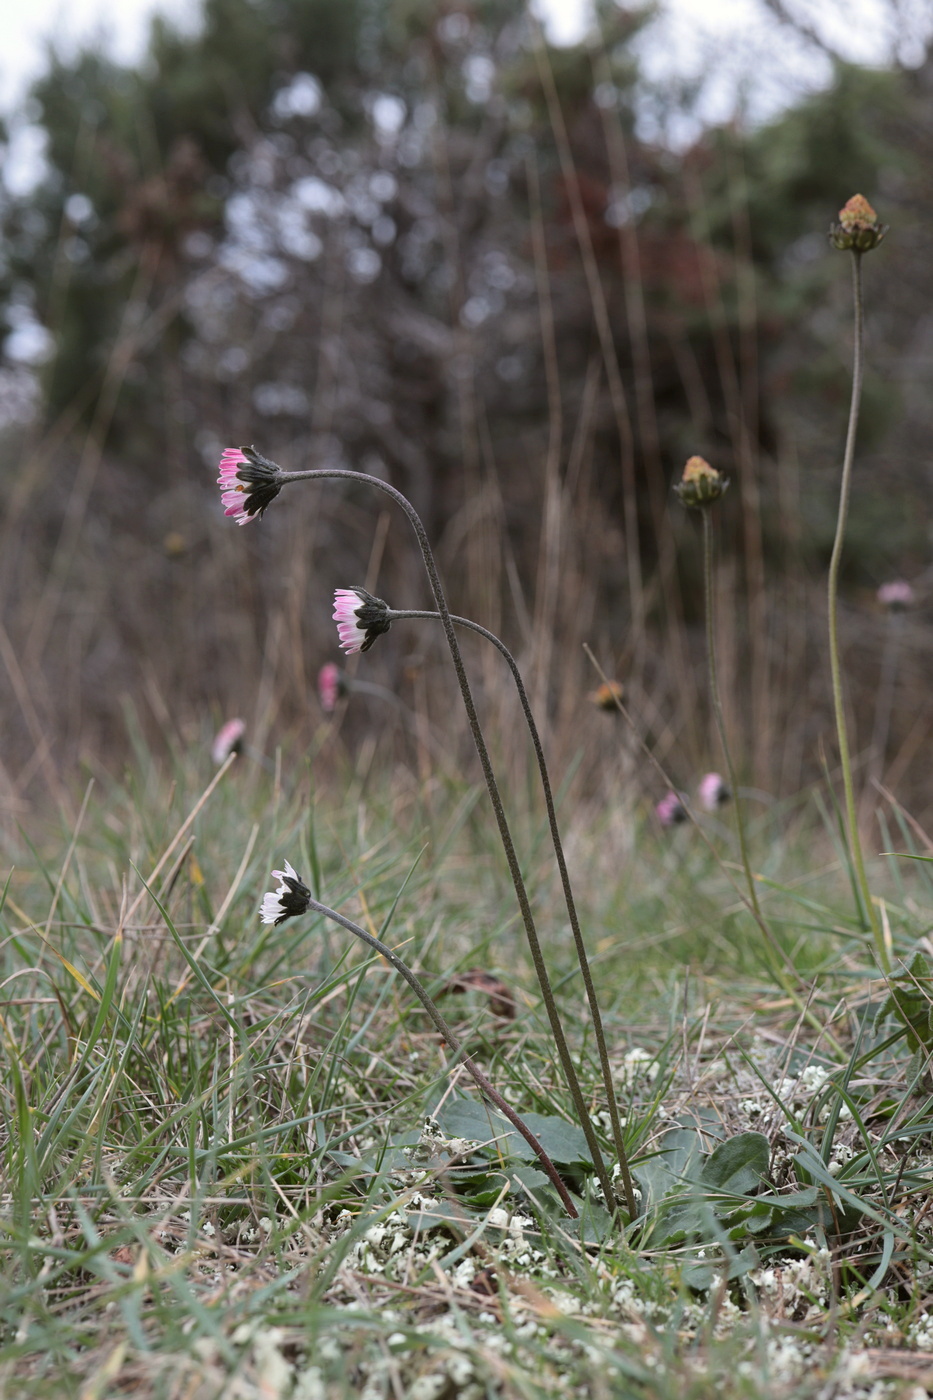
[
  {"x": 701, "y": 1275},
  {"x": 738, "y": 1165},
  {"x": 468, "y": 1119}
]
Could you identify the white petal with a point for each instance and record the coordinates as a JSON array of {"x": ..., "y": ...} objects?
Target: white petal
[{"x": 271, "y": 908}]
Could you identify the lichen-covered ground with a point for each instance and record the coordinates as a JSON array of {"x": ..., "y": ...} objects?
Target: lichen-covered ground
[{"x": 237, "y": 1162}]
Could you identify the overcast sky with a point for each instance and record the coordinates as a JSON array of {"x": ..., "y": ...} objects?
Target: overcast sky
[{"x": 723, "y": 41}]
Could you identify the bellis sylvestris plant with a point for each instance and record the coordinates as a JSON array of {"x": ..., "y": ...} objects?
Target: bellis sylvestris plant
[
  {"x": 229, "y": 740},
  {"x": 896, "y": 596},
  {"x": 700, "y": 484},
  {"x": 291, "y": 898},
  {"x": 670, "y": 811},
  {"x": 330, "y": 686},
  {"x": 857, "y": 231},
  {"x": 712, "y": 792},
  {"x": 248, "y": 483},
  {"x": 700, "y": 487},
  {"x": 607, "y": 696},
  {"x": 361, "y": 618}
]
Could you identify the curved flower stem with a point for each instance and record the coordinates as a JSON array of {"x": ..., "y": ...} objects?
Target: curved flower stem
[
  {"x": 855, "y": 845},
  {"x": 717, "y": 708},
  {"x": 397, "y": 615},
  {"x": 492, "y": 787},
  {"x": 442, "y": 1027}
]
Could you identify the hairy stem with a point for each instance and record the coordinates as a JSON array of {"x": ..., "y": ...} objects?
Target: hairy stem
[
  {"x": 444, "y": 1030},
  {"x": 855, "y": 845},
  {"x": 717, "y": 707},
  {"x": 569, "y": 900},
  {"x": 492, "y": 787}
]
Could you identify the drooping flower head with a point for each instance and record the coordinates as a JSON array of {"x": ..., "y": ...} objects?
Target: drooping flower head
[
  {"x": 229, "y": 740},
  {"x": 858, "y": 228},
  {"x": 712, "y": 792},
  {"x": 605, "y": 696},
  {"x": 330, "y": 686},
  {"x": 670, "y": 811},
  {"x": 700, "y": 484},
  {"x": 897, "y": 595},
  {"x": 248, "y": 483},
  {"x": 292, "y": 897},
  {"x": 360, "y": 618}
]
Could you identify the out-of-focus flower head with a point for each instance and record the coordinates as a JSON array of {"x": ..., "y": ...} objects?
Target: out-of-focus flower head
[
  {"x": 604, "y": 697},
  {"x": 712, "y": 792},
  {"x": 896, "y": 596},
  {"x": 331, "y": 685},
  {"x": 858, "y": 228},
  {"x": 360, "y": 618},
  {"x": 292, "y": 897},
  {"x": 670, "y": 811},
  {"x": 229, "y": 740},
  {"x": 248, "y": 483},
  {"x": 700, "y": 484}
]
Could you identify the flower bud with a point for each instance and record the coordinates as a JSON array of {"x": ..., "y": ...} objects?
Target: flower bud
[
  {"x": 607, "y": 696},
  {"x": 701, "y": 484},
  {"x": 858, "y": 228}
]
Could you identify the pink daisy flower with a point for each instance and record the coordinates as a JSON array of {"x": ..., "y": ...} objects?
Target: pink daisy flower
[
  {"x": 670, "y": 811},
  {"x": 248, "y": 483},
  {"x": 360, "y": 618},
  {"x": 229, "y": 740},
  {"x": 897, "y": 595},
  {"x": 712, "y": 792},
  {"x": 330, "y": 687}
]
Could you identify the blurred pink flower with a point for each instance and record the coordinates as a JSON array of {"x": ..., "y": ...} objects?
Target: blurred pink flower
[
  {"x": 670, "y": 811},
  {"x": 248, "y": 483},
  {"x": 229, "y": 740},
  {"x": 360, "y": 618},
  {"x": 712, "y": 792},
  {"x": 330, "y": 686},
  {"x": 896, "y": 595}
]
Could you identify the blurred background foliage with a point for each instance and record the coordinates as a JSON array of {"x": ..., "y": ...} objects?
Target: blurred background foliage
[{"x": 412, "y": 239}]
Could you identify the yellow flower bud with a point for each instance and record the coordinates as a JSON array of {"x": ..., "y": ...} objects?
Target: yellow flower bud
[
  {"x": 701, "y": 484},
  {"x": 858, "y": 228}
]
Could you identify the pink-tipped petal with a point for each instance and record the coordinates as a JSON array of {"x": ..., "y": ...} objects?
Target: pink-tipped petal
[
  {"x": 346, "y": 607},
  {"x": 346, "y": 603},
  {"x": 229, "y": 740}
]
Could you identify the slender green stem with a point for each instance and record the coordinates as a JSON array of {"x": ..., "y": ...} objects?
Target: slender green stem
[
  {"x": 442, "y": 1027},
  {"x": 855, "y": 845},
  {"x": 569, "y": 900},
  {"x": 717, "y": 706},
  {"x": 784, "y": 975},
  {"x": 492, "y": 787}
]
